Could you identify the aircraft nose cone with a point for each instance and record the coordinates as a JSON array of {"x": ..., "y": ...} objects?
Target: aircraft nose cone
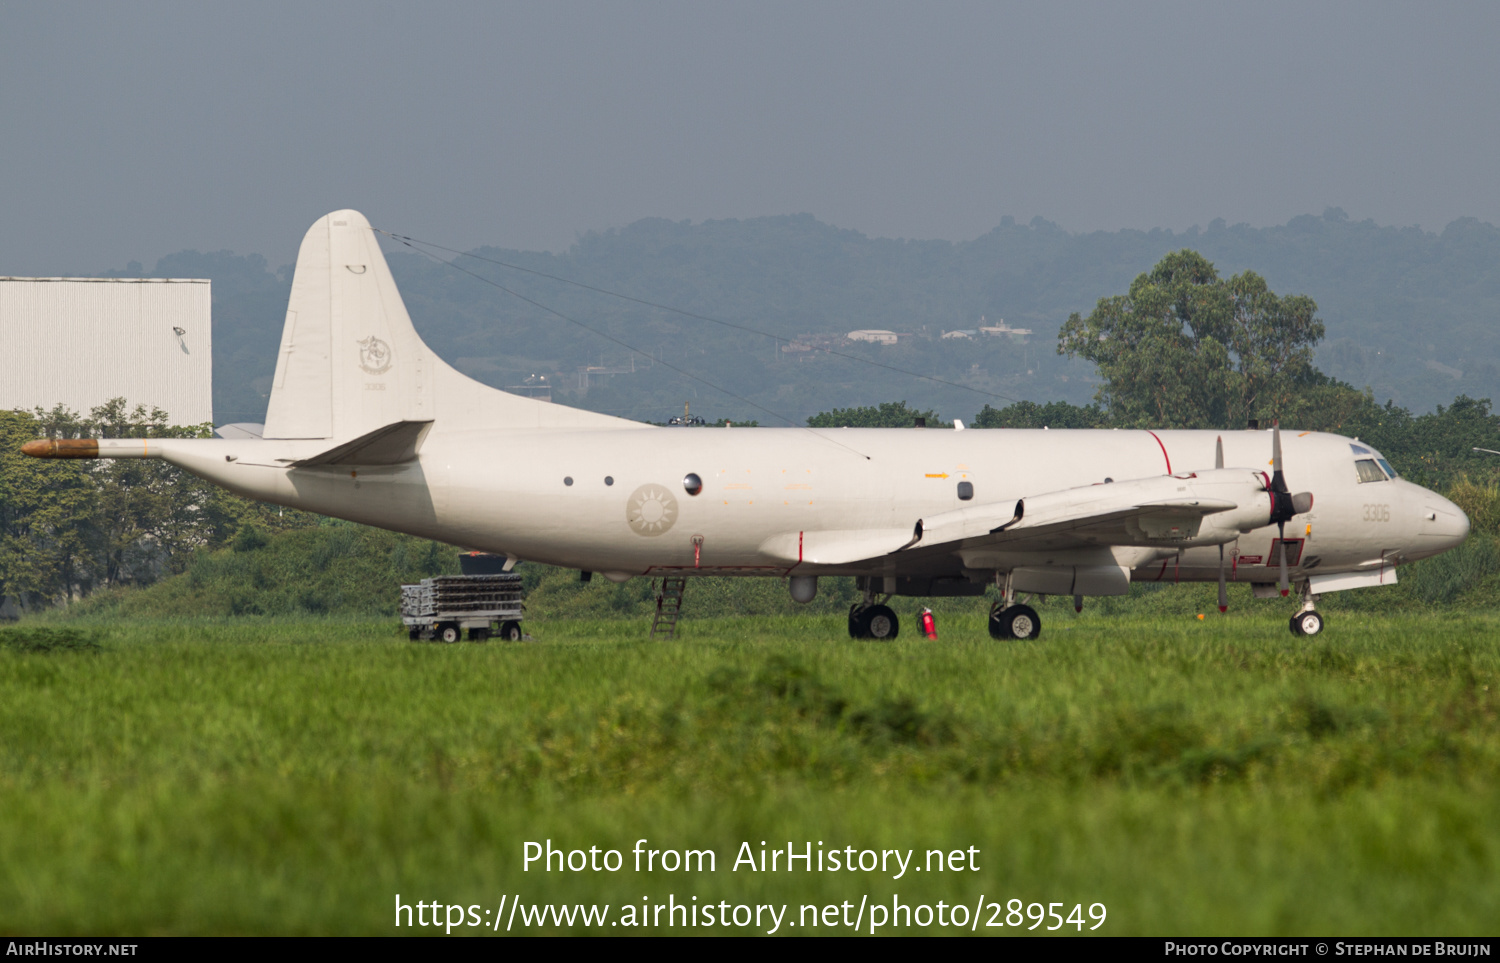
[{"x": 1444, "y": 525}]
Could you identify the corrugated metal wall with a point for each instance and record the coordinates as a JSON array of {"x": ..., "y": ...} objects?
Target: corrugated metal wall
[{"x": 82, "y": 341}]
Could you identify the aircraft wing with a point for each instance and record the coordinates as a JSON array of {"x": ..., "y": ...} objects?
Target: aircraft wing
[
  {"x": 1167, "y": 510},
  {"x": 1150, "y": 511}
]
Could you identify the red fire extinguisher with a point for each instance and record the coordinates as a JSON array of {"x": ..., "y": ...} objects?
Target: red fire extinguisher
[{"x": 929, "y": 624}]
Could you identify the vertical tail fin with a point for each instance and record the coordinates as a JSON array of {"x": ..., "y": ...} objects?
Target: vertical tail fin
[{"x": 351, "y": 362}]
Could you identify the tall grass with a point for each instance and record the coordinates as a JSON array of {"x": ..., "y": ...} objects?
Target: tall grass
[
  {"x": 1480, "y": 501},
  {"x": 293, "y": 775}
]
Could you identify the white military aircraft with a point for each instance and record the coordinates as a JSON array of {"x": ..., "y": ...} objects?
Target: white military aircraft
[{"x": 366, "y": 423}]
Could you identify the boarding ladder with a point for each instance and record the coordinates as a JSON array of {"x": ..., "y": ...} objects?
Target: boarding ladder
[{"x": 668, "y": 608}]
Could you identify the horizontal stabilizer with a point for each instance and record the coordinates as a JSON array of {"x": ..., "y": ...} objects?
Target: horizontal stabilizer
[{"x": 392, "y": 445}]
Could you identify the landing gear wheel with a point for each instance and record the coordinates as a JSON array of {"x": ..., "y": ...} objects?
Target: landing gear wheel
[
  {"x": 448, "y": 632},
  {"x": 414, "y": 634},
  {"x": 1016, "y": 622},
  {"x": 510, "y": 632},
  {"x": 1307, "y": 623},
  {"x": 880, "y": 623},
  {"x": 857, "y": 627}
]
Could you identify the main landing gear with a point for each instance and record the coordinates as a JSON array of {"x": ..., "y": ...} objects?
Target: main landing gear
[
  {"x": 870, "y": 621},
  {"x": 1014, "y": 622},
  {"x": 1010, "y": 620}
]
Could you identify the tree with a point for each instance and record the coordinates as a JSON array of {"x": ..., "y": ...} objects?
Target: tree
[
  {"x": 1436, "y": 449},
  {"x": 45, "y": 509},
  {"x": 889, "y": 414},
  {"x": 148, "y": 512},
  {"x": 1187, "y": 349},
  {"x": 1029, "y": 414},
  {"x": 68, "y": 526}
]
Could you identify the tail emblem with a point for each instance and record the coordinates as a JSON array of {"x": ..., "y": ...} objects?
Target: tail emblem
[{"x": 374, "y": 355}]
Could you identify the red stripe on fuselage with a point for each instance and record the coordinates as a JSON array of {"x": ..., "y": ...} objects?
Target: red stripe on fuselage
[{"x": 1163, "y": 450}]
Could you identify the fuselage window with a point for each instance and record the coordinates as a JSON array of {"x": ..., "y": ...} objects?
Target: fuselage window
[
  {"x": 965, "y": 490},
  {"x": 1369, "y": 471}
]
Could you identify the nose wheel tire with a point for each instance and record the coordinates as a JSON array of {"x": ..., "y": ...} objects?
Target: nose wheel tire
[
  {"x": 1307, "y": 623},
  {"x": 1016, "y": 622}
]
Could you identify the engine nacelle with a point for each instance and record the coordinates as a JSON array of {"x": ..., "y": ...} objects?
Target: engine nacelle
[{"x": 1246, "y": 488}]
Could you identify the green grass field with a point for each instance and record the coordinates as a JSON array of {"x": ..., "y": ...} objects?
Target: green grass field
[{"x": 1196, "y": 777}]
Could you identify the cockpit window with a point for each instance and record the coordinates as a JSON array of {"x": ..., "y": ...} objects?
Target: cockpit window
[
  {"x": 1369, "y": 471},
  {"x": 1379, "y": 459}
]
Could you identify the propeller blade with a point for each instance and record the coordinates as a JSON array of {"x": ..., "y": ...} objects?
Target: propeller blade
[
  {"x": 1283, "y": 503},
  {"x": 1219, "y": 452},
  {"x": 1281, "y": 531},
  {"x": 1278, "y": 478},
  {"x": 1223, "y": 591}
]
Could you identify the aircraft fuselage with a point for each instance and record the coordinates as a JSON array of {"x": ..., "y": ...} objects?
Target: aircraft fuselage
[{"x": 581, "y": 498}]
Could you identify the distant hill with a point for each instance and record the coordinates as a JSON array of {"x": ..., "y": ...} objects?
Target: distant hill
[{"x": 1413, "y": 315}]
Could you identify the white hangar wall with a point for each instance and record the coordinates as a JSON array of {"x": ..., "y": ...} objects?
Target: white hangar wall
[{"x": 82, "y": 341}]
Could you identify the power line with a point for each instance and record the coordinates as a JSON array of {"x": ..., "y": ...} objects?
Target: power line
[
  {"x": 412, "y": 242},
  {"x": 609, "y": 337}
]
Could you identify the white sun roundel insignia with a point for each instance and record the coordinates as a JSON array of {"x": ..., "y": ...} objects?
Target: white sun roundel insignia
[
  {"x": 374, "y": 355},
  {"x": 650, "y": 510}
]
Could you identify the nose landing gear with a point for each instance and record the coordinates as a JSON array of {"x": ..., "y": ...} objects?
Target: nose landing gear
[{"x": 1308, "y": 621}]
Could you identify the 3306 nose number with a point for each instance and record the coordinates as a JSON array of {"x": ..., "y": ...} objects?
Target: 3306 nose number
[{"x": 1377, "y": 513}]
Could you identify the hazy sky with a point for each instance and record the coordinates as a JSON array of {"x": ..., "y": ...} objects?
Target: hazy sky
[{"x": 131, "y": 130}]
